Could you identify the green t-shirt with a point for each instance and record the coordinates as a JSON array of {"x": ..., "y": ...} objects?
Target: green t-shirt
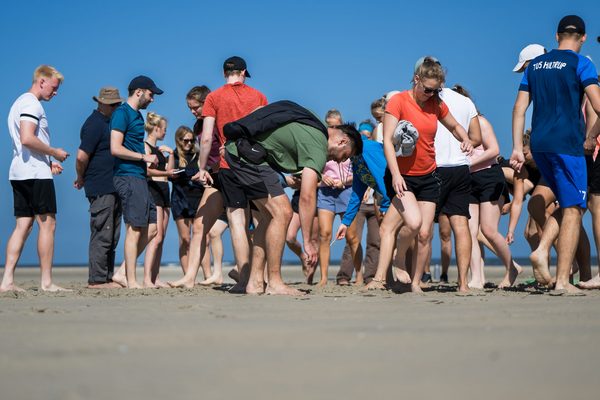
[{"x": 292, "y": 147}]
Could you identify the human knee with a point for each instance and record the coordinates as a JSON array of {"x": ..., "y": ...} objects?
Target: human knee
[{"x": 425, "y": 236}]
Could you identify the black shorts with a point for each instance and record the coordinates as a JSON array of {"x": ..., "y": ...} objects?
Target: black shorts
[
  {"x": 243, "y": 182},
  {"x": 487, "y": 185},
  {"x": 424, "y": 187},
  {"x": 455, "y": 191},
  {"x": 160, "y": 193},
  {"x": 138, "y": 206},
  {"x": 296, "y": 201},
  {"x": 594, "y": 177},
  {"x": 34, "y": 197}
]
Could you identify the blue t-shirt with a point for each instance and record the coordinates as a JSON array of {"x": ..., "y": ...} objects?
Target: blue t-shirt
[
  {"x": 131, "y": 123},
  {"x": 556, "y": 82},
  {"x": 95, "y": 141},
  {"x": 368, "y": 170}
]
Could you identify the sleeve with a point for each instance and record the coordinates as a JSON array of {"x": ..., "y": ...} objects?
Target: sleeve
[
  {"x": 89, "y": 139},
  {"x": 472, "y": 111},
  {"x": 358, "y": 191},
  {"x": 524, "y": 86},
  {"x": 208, "y": 110},
  {"x": 263, "y": 100},
  {"x": 394, "y": 107},
  {"x": 586, "y": 71},
  {"x": 442, "y": 110},
  {"x": 31, "y": 111},
  {"x": 309, "y": 155},
  {"x": 118, "y": 120}
]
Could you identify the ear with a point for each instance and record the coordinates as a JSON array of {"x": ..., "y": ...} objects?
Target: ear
[{"x": 583, "y": 38}]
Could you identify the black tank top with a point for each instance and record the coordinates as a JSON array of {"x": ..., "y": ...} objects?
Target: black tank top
[{"x": 162, "y": 160}]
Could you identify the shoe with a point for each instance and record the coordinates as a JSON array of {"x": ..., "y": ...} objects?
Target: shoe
[
  {"x": 444, "y": 278},
  {"x": 426, "y": 278}
]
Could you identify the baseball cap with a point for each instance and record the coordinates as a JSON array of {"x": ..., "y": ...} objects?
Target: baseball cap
[
  {"x": 108, "y": 95},
  {"x": 143, "y": 82},
  {"x": 528, "y": 53},
  {"x": 236, "y": 63},
  {"x": 422, "y": 59},
  {"x": 571, "y": 24}
]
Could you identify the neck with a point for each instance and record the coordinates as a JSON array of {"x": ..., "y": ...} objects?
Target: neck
[
  {"x": 133, "y": 103},
  {"x": 152, "y": 140},
  {"x": 570, "y": 45},
  {"x": 414, "y": 96},
  {"x": 35, "y": 91},
  {"x": 103, "y": 112},
  {"x": 234, "y": 79}
]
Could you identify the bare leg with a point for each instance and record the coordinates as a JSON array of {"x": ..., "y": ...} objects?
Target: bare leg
[
  {"x": 446, "y": 245},
  {"x": 238, "y": 228},
  {"x": 489, "y": 220},
  {"x": 407, "y": 210},
  {"x": 325, "y": 225},
  {"x": 540, "y": 257},
  {"x": 184, "y": 226},
  {"x": 476, "y": 281},
  {"x": 531, "y": 234},
  {"x": 152, "y": 250},
  {"x": 568, "y": 238},
  {"x": 353, "y": 240},
  {"x": 463, "y": 243},
  {"x": 423, "y": 249},
  {"x": 14, "y": 247},
  {"x": 216, "y": 246},
  {"x": 594, "y": 206},
  {"x": 47, "y": 226},
  {"x": 158, "y": 257},
  {"x": 209, "y": 209}
]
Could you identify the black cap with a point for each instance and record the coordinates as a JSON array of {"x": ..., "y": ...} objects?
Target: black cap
[
  {"x": 143, "y": 82},
  {"x": 571, "y": 24},
  {"x": 236, "y": 64}
]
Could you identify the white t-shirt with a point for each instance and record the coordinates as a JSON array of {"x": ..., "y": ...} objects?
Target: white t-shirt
[
  {"x": 27, "y": 164},
  {"x": 447, "y": 148}
]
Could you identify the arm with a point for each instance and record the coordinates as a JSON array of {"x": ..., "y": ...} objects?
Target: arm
[
  {"x": 118, "y": 150},
  {"x": 475, "y": 131},
  {"x": 31, "y": 141},
  {"x": 307, "y": 208},
  {"x": 517, "y": 204},
  {"x": 458, "y": 132},
  {"x": 389, "y": 124},
  {"x": 358, "y": 191},
  {"x": 151, "y": 172},
  {"x": 518, "y": 125},
  {"x": 592, "y": 110},
  {"x": 206, "y": 139},
  {"x": 81, "y": 164},
  {"x": 490, "y": 144}
]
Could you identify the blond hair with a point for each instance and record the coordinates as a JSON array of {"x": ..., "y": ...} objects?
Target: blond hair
[
  {"x": 430, "y": 68},
  {"x": 152, "y": 121},
  {"x": 47, "y": 71},
  {"x": 179, "y": 135}
]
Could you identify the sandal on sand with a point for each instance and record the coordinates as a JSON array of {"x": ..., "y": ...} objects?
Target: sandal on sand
[{"x": 343, "y": 282}]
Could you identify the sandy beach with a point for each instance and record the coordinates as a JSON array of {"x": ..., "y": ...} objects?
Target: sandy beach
[{"x": 333, "y": 343}]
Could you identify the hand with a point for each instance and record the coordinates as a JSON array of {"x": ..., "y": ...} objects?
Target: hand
[
  {"x": 78, "y": 183},
  {"x": 310, "y": 254},
  {"x": 165, "y": 149},
  {"x": 399, "y": 185},
  {"x": 203, "y": 177},
  {"x": 338, "y": 184},
  {"x": 341, "y": 233},
  {"x": 292, "y": 181},
  {"x": 367, "y": 195},
  {"x": 150, "y": 159},
  {"x": 171, "y": 173},
  {"x": 510, "y": 237},
  {"x": 466, "y": 147},
  {"x": 517, "y": 159},
  {"x": 506, "y": 208},
  {"x": 56, "y": 168},
  {"x": 222, "y": 151},
  {"x": 59, "y": 154},
  {"x": 328, "y": 181},
  {"x": 589, "y": 145}
]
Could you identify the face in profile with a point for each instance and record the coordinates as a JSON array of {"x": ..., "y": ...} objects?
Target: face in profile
[
  {"x": 146, "y": 98},
  {"x": 339, "y": 147},
  {"x": 426, "y": 88},
  {"x": 195, "y": 107},
  {"x": 49, "y": 87}
]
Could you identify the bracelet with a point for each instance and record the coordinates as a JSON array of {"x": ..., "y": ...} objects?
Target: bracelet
[{"x": 142, "y": 157}]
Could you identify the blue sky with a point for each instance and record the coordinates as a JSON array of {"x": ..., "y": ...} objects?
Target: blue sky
[{"x": 322, "y": 54}]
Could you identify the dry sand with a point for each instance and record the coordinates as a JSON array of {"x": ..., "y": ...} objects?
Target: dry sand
[{"x": 334, "y": 343}]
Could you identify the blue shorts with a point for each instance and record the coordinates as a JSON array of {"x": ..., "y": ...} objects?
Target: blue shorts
[
  {"x": 566, "y": 175},
  {"x": 334, "y": 200}
]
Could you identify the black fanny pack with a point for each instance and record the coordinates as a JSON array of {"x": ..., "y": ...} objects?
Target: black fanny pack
[{"x": 251, "y": 151}]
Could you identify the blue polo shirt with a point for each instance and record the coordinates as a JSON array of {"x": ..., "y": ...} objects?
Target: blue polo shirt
[
  {"x": 131, "y": 123},
  {"x": 556, "y": 82},
  {"x": 95, "y": 141}
]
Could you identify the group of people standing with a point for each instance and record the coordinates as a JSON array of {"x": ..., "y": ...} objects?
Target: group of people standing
[{"x": 430, "y": 157}]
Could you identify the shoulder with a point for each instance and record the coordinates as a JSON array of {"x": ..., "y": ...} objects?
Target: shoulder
[{"x": 30, "y": 102}]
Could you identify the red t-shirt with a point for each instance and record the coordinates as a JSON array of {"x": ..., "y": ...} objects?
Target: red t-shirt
[
  {"x": 229, "y": 103},
  {"x": 404, "y": 107}
]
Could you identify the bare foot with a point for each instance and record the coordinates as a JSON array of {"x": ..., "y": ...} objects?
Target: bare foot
[
  {"x": 568, "y": 288},
  {"x": 234, "y": 274},
  {"x": 54, "y": 288},
  {"x": 212, "y": 280},
  {"x": 182, "y": 283},
  {"x": 134, "y": 285},
  {"x": 511, "y": 276},
  {"x": 322, "y": 284},
  {"x": 474, "y": 285},
  {"x": 360, "y": 279},
  {"x": 255, "y": 288},
  {"x": 463, "y": 289},
  {"x": 120, "y": 280},
  {"x": 147, "y": 285},
  {"x": 11, "y": 287},
  {"x": 401, "y": 275},
  {"x": 416, "y": 288},
  {"x": 310, "y": 274},
  {"x": 107, "y": 285},
  {"x": 541, "y": 272},
  {"x": 283, "y": 289},
  {"x": 375, "y": 284},
  {"x": 160, "y": 284},
  {"x": 593, "y": 283}
]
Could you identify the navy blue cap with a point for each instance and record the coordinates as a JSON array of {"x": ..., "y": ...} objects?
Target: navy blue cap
[
  {"x": 571, "y": 24},
  {"x": 143, "y": 82},
  {"x": 236, "y": 63}
]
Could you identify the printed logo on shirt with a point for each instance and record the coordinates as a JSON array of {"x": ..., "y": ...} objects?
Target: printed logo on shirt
[{"x": 549, "y": 65}]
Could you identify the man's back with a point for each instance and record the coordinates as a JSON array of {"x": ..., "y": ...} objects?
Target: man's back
[{"x": 556, "y": 83}]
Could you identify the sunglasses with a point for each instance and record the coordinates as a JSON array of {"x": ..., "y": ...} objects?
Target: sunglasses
[
  {"x": 427, "y": 90},
  {"x": 187, "y": 140}
]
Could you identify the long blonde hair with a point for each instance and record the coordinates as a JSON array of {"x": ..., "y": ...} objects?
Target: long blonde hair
[{"x": 179, "y": 135}]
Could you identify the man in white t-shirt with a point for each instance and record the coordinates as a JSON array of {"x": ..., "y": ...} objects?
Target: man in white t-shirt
[{"x": 30, "y": 175}]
